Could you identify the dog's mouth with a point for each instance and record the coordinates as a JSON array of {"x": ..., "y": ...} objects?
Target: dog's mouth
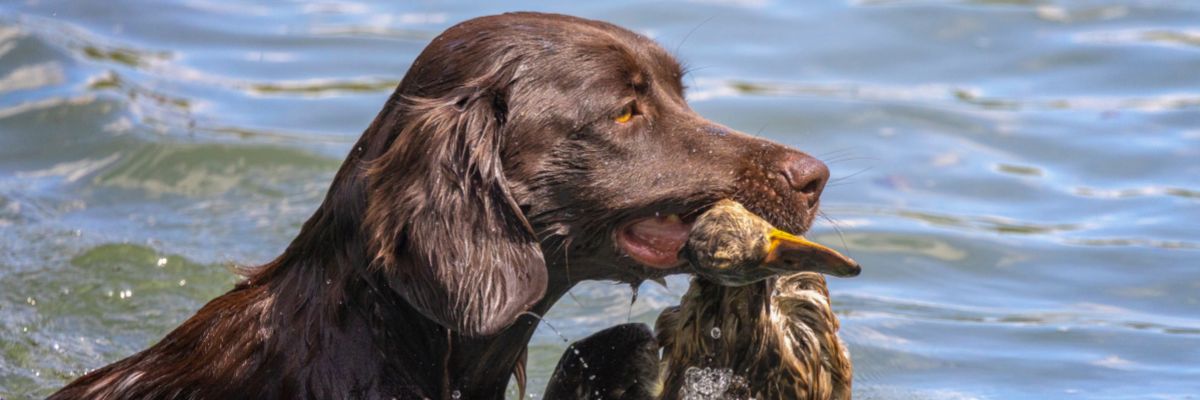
[{"x": 655, "y": 241}]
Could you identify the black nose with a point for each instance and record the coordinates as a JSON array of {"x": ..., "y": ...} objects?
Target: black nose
[{"x": 805, "y": 174}]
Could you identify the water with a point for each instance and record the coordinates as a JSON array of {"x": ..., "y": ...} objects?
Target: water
[{"x": 1020, "y": 178}]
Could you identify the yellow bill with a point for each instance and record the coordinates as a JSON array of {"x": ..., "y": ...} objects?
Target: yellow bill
[{"x": 790, "y": 253}]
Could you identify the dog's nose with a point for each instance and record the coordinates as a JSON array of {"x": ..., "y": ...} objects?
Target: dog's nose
[{"x": 806, "y": 175}]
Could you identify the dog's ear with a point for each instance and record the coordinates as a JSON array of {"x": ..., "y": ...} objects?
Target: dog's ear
[{"x": 442, "y": 222}]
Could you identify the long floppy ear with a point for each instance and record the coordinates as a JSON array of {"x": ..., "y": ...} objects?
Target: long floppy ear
[{"x": 443, "y": 223}]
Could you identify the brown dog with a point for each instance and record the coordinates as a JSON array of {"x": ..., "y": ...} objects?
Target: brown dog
[{"x": 521, "y": 154}]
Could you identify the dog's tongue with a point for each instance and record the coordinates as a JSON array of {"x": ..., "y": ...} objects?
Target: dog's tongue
[{"x": 656, "y": 241}]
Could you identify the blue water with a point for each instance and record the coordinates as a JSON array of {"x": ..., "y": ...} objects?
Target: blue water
[{"x": 1019, "y": 178}]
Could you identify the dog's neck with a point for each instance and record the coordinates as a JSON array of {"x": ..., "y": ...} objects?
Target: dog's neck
[
  {"x": 329, "y": 299},
  {"x": 328, "y": 302},
  {"x": 487, "y": 364}
]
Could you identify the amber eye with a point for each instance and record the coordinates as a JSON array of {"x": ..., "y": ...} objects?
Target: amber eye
[{"x": 626, "y": 113}]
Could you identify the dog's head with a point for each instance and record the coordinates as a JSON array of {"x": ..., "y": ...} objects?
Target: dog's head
[{"x": 526, "y": 147}]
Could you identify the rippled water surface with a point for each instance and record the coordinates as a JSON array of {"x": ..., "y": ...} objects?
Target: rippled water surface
[{"x": 1020, "y": 178}]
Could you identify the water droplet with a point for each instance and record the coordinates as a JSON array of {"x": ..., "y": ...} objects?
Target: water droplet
[
  {"x": 162, "y": 262},
  {"x": 715, "y": 332},
  {"x": 183, "y": 282},
  {"x": 456, "y": 395},
  {"x": 592, "y": 378}
]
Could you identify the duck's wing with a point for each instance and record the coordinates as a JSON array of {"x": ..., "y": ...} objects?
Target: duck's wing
[{"x": 803, "y": 300}]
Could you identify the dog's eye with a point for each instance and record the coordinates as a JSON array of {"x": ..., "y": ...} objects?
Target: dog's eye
[{"x": 626, "y": 113}]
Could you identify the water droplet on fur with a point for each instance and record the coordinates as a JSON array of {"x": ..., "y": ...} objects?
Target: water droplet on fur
[
  {"x": 456, "y": 395},
  {"x": 592, "y": 378},
  {"x": 715, "y": 333}
]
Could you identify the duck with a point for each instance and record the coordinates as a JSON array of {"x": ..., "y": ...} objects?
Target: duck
[{"x": 755, "y": 323}]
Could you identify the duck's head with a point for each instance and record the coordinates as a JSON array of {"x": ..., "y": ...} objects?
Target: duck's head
[{"x": 732, "y": 246}]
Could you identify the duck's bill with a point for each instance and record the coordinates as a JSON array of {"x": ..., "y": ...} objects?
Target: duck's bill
[{"x": 790, "y": 253}]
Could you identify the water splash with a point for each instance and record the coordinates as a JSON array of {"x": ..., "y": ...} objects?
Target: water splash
[
  {"x": 582, "y": 362},
  {"x": 711, "y": 384},
  {"x": 560, "y": 336},
  {"x": 548, "y": 325}
]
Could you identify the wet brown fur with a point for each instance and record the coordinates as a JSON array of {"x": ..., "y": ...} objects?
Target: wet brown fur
[{"x": 780, "y": 335}]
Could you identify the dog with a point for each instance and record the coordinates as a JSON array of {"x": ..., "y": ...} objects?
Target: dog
[{"x": 521, "y": 154}]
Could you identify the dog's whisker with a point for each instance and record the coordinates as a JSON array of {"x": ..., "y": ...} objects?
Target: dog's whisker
[
  {"x": 838, "y": 160},
  {"x": 836, "y": 228},
  {"x": 838, "y": 151},
  {"x": 690, "y": 32},
  {"x": 842, "y": 179}
]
